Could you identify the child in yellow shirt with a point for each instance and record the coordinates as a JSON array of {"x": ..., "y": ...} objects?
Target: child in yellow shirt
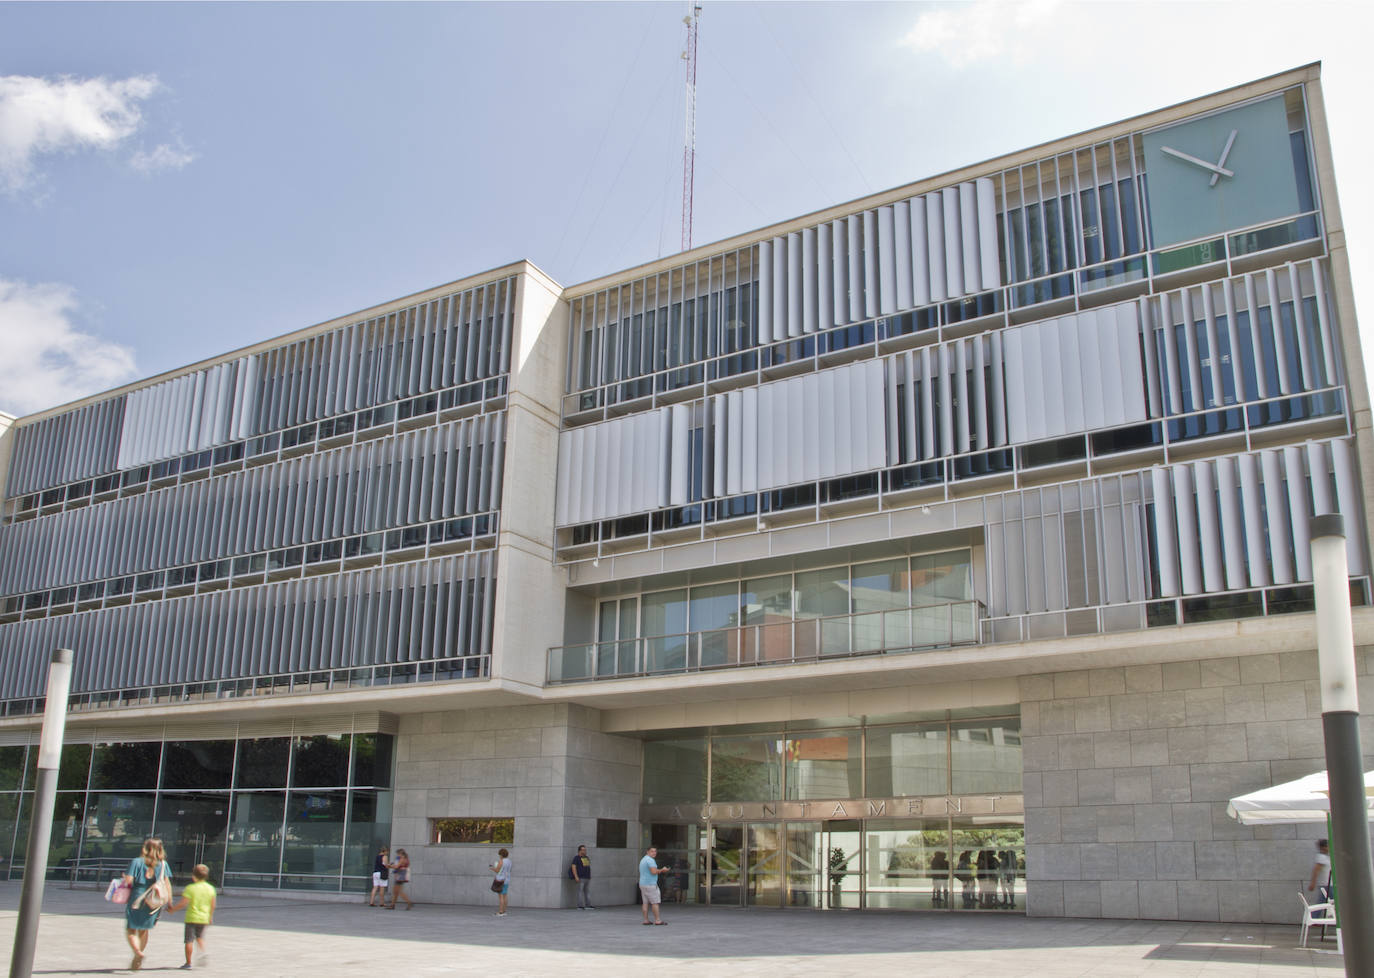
[{"x": 199, "y": 901}]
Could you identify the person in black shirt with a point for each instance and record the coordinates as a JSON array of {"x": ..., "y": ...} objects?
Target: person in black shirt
[
  {"x": 381, "y": 873},
  {"x": 580, "y": 872}
]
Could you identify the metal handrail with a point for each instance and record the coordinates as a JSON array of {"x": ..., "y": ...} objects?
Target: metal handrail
[{"x": 894, "y": 630}]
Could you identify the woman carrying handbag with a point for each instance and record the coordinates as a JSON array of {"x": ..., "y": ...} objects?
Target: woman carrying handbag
[
  {"x": 501, "y": 884},
  {"x": 150, "y": 889},
  {"x": 400, "y": 876}
]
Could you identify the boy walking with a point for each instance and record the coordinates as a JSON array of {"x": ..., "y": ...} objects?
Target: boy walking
[{"x": 199, "y": 901}]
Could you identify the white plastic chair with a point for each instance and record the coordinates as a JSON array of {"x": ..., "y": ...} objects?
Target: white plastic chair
[{"x": 1321, "y": 915}]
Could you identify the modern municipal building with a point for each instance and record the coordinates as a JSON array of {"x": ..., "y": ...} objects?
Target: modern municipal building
[{"x": 944, "y": 550}]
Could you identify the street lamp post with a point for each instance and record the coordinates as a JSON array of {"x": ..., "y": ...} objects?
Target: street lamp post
[
  {"x": 1350, "y": 859},
  {"x": 40, "y": 825}
]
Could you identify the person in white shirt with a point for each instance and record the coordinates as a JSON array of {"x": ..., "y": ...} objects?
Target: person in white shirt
[{"x": 1321, "y": 873}]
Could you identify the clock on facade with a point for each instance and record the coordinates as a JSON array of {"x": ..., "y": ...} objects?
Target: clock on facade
[{"x": 1221, "y": 172}]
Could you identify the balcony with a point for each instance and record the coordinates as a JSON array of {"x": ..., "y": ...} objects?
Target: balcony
[{"x": 768, "y": 643}]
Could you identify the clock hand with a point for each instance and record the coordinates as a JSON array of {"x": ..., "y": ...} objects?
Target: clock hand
[
  {"x": 1219, "y": 170},
  {"x": 1230, "y": 141}
]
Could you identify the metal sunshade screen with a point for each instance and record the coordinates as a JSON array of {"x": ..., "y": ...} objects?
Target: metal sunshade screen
[
  {"x": 76, "y": 445},
  {"x": 939, "y": 246},
  {"x": 403, "y": 613},
  {"x": 429, "y": 346},
  {"x": 1075, "y": 545},
  {"x": 1091, "y": 360},
  {"x": 438, "y": 473},
  {"x": 1241, "y": 521},
  {"x": 819, "y": 426},
  {"x": 1273, "y": 331}
]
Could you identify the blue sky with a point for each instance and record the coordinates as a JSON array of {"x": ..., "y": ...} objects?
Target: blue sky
[{"x": 181, "y": 180}]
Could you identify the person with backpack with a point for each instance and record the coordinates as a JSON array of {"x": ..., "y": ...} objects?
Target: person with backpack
[
  {"x": 580, "y": 872},
  {"x": 150, "y": 889}
]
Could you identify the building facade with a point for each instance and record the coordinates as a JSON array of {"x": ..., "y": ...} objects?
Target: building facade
[{"x": 943, "y": 550}]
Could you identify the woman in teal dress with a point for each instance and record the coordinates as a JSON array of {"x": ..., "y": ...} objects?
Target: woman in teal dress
[{"x": 139, "y": 917}]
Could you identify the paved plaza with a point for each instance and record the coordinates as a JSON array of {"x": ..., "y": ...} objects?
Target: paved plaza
[{"x": 81, "y": 935}]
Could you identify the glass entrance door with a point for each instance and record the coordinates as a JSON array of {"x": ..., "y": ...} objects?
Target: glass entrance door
[
  {"x": 805, "y": 864},
  {"x": 727, "y": 865},
  {"x": 763, "y": 861},
  {"x": 843, "y": 877},
  {"x": 192, "y": 826}
]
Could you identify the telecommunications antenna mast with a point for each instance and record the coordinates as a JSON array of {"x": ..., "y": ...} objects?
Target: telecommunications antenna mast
[{"x": 689, "y": 144}]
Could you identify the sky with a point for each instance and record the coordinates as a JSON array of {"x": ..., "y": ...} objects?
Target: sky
[{"x": 180, "y": 180}]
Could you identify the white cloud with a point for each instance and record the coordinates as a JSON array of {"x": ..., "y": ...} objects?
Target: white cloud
[
  {"x": 47, "y": 359},
  {"x": 161, "y": 157},
  {"x": 967, "y": 33},
  {"x": 41, "y": 117}
]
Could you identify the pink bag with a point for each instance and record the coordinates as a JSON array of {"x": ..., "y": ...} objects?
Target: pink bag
[{"x": 118, "y": 890}]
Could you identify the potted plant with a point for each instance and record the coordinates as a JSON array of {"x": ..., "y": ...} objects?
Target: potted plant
[{"x": 839, "y": 868}]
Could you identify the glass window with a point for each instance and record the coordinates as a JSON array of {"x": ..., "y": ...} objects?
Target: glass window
[
  {"x": 314, "y": 838},
  {"x": 9, "y": 819},
  {"x": 262, "y": 762},
  {"x": 986, "y": 756},
  {"x": 123, "y": 766},
  {"x": 369, "y": 828},
  {"x": 767, "y": 604},
  {"x": 746, "y": 768},
  {"x": 828, "y": 766},
  {"x": 665, "y": 612},
  {"x": 320, "y": 761},
  {"x": 942, "y": 577},
  {"x": 116, "y": 824},
  {"x": 906, "y": 863},
  {"x": 879, "y": 593},
  {"x": 372, "y": 760},
  {"x": 255, "y": 836},
  {"x": 675, "y": 771},
  {"x": 908, "y": 760},
  {"x": 192, "y": 826},
  {"x": 823, "y": 594},
  {"x": 198, "y": 764},
  {"x": 714, "y": 611}
]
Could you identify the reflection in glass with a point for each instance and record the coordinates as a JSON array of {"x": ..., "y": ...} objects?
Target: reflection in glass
[
  {"x": 989, "y": 871},
  {"x": 262, "y": 762},
  {"x": 986, "y": 756},
  {"x": 908, "y": 760},
  {"x": 906, "y": 863},
  {"x": 9, "y": 817},
  {"x": 314, "y": 837},
  {"x": 11, "y": 768},
  {"x": 764, "y": 865},
  {"x": 198, "y": 764},
  {"x": 843, "y": 883},
  {"x": 372, "y": 754},
  {"x": 727, "y": 853},
  {"x": 805, "y": 860},
  {"x": 369, "y": 828},
  {"x": 767, "y": 603},
  {"x": 73, "y": 768},
  {"x": 665, "y": 614},
  {"x": 64, "y": 846},
  {"x": 822, "y": 594},
  {"x": 879, "y": 595},
  {"x": 255, "y": 837},
  {"x": 746, "y": 768},
  {"x": 677, "y": 846},
  {"x": 320, "y": 761},
  {"x": 116, "y": 824},
  {"x": 124, "y": 766},
  {"x": 712, "y": 609},
  {"x": 675, "y": 772},
  {"x": 825, "y": 766}
]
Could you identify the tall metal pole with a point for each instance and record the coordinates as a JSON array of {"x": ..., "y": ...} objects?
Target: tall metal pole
[
  {"x": 40, "y": 825},
  {"x": 1352, "y": 871}
]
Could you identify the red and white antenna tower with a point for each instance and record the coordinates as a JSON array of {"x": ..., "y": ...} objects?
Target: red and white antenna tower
[{"x": 689, "y": 145}]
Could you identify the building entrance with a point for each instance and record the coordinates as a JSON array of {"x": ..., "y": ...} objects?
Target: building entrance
[{"x": 947, "y": 863}]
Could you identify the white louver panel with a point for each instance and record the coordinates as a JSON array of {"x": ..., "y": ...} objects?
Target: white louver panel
[
  {"x": 939, "y": 246},
  {"x": 1241, "y": 521},
  {"x": 819, "y": 426},
  {"x": 1076, "y": 373}
]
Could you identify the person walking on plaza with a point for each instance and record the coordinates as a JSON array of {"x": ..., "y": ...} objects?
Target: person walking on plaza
[
  {"x": 199, "y": 901},
  {"x": 580, "y": 871},
  {"x": 150, "y": 889},
  {"x": 502, "y": 870},
  {"x": 381, "y": 871},
  {"x": 400, "y": 876},
  {"x": 649, "y": 894}
]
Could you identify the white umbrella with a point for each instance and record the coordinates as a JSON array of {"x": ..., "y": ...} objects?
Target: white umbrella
[{"x": 1303, "y": 800}]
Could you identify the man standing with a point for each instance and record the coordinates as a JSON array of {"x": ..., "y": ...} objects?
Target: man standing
[
  {"x": 649, "y": 895},
  {"x": 1321, "y": 873},
  {"x": 580, "y": 871}
]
